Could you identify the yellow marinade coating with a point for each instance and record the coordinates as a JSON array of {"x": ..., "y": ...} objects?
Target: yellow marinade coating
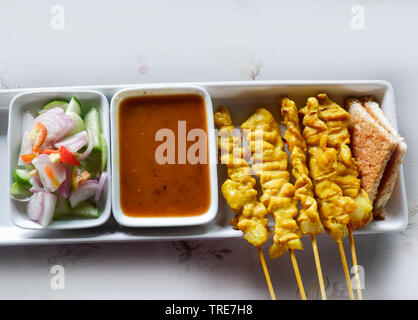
[
  {"x": 337, "y": 120},
  {"x": 238, "y": 190},
  {"x": 334, "y": 207},
  {"x": 308, "y": 220},
  {"x": 270, "y": 164}
]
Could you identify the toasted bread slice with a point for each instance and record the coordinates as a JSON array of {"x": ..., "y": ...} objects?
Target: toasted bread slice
[
  {"x": 372, "y": 147},
  {"x": 390, "y": 175}
]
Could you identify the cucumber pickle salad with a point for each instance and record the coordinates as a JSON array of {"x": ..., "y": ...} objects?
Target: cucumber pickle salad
[{"x": 61, "y": 162}]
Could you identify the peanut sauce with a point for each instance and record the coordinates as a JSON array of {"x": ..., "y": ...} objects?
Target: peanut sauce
[{"x": 151, "y": 189}]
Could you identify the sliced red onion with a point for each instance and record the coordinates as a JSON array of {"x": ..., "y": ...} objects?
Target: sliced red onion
[
  {"x": 73, "y": 143},
  {"x": 36, "y": 183},
  {"x": 50, "y": 200},
  {"x": 64, "y": 189},
  {"x": 25, "y": 148},
  {"x": 41, "y": 208},
  {"x": 26, "y": 145},
  {"x": 36, "y": 206},
  {"x": 57, "y": 123},
  {"x": 59, "y": 170},
  {"x": 100, "y": 186},
  {"x": 86, "y": 153},
  {"x": 85, "y": 191}
]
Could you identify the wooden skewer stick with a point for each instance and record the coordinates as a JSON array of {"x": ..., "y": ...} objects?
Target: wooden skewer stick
[
  {"x": 355, "y": 264},
  {"x": 297, "y": 274},
  {"x": 318, "y": 268},
  {"x": 266, "y": 273},
  {"x": 346, "y": 273}
]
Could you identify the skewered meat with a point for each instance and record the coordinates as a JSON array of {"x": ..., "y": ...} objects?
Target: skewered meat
[
  {"x": 238, "y": 189},
  {"x": 308, "y": 220},
  {"x": 337, "y": 121},
  {"x": 334, "y": 207},
  {"x": 270, "y": 164}
]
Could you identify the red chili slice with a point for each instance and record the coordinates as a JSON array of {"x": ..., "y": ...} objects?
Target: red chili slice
[
  {"x": 28, "y": 157},
  {"x": 67, "y": 157},
  {"x": 41, "y": 132}
]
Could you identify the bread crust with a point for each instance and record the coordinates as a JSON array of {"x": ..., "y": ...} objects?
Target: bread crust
[
  {"x": 390, "y": 175},
  {"x": 372, "y": 147}
]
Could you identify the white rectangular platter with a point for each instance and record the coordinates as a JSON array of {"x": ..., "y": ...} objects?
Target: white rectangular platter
[{"x": 241, "y": 98}]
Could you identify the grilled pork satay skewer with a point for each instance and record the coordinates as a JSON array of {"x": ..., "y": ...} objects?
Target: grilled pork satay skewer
[
  {"x": 337, "y": 121},
  {"x": 238, "y": 190},
  {"x": 270, "y": 164},
  {"x": 334, "y": 207},
  {"x": 308, "y": 220}
]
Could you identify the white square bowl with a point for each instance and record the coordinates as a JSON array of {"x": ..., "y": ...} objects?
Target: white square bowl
[
  {"x": 34, "y": 101},
  {"x": 159, "y": 90}
]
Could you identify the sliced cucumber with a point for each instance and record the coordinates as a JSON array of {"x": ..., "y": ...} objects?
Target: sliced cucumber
[
  {"x": 84, "y": 210},
  {"x": 29, "y": 167},
  {"x": 78, "y": 122},
  {"x": 56, "y": 103},
  {"x": 93, "y": 163},
  {"x": 22, "y": 176},
  {"x": 61, "y": 208},
  {"x": 20, "y": 191},
  {"x": 74, "y": 106},
  {"x": 104, "y": 151},
  {"x": 92, "y": 123}
]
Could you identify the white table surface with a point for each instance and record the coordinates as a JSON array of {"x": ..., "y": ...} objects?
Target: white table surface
[{"x": 114, "y": 42}]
